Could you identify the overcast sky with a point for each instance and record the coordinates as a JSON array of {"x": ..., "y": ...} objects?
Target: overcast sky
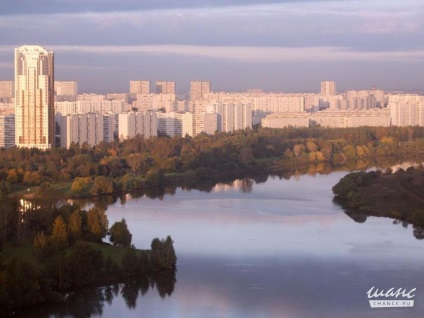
[{"x": 287, "y": 46}]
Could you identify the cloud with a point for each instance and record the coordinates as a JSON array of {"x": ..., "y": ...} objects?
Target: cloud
[
  {"x": 30, "y": 7},
  {"x": 248, "y": 53},
  {"x": 237, "y": 53}
]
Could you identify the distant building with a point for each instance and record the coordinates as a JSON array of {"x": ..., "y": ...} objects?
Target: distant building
[
  {"x": 91, "y": 106},
  {"x": 81, "y": 128},
  {"x": 406, "y": 109},
  {"x": 329, "y": 118},
  {"x": 198, "y": 89},
  {"x": 34, "y": 97},
  {"x": 137, "y": 123},
  {"x": 139, "y": 87},
  {"x": 232, "y": 117},
  {"x": 69, "y": 88},
  {"x": 155, "y": 102},
  {"x": 281, "y": 120},
  {"x": 328, "y": 88},
  {"x": 7, "y": 131},
  {"x": 351, "y": 118},
  {"x": 176, "y": 124},
  {"x": 6, "y": 91},
  {"x": 165, "y": 88}
]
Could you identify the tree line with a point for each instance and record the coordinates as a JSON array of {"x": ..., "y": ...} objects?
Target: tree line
[{"x": 153, "y": 157}]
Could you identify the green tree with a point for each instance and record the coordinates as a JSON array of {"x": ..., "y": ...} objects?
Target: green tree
[
  {"x": 120, "y": 235},
  {"x": 163, "y": 253}
]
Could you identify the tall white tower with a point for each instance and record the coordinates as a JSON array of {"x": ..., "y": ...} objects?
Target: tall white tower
[{"x": 34, "y": 97}]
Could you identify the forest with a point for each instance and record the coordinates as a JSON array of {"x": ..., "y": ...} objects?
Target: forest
[{"x": 127, "y": 165}]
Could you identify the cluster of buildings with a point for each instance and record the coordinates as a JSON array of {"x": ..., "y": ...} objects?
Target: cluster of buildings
[{"x": 37, "y": 111}]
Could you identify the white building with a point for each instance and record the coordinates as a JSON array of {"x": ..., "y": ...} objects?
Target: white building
[
  {"x": 351, "y": 118},
  {"x": 131, "y": 124},
  {"x": 198, "y": 89},
  {"x": 406, "y": 109},
  {"x": 6, "y": 91},
  {"x": 155, "y": 102},
  {"x": 232, "y": 117},
  {"x": 69, "y": 88},
  {"x": 34, "y": 97},
  {"x": 165, "y": 88},
  {"x": 281, "y": 120},
  {"x": 139, "y": 87},
  {"x": 81, "y": 128},
  {"x": 176, "y": 124},
  {"x": 328, "y": 88}
]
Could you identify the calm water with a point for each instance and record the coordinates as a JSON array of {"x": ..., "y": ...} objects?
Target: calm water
[{"x": 276, "y": 249}]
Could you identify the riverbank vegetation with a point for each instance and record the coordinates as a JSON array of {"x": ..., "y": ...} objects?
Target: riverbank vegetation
[
  {"x": 47, "y": 250},
  {"x": 139, "y": 162},
  {"x": 398, "y": 195}
]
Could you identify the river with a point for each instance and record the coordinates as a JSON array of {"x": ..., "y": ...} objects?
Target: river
[{"x": 280, "y": 248}]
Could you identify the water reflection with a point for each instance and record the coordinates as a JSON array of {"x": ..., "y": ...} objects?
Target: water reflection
[{"x": 91, "y": 302}]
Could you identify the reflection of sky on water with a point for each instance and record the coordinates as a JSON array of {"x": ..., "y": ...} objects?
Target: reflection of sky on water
[
  {"x": 283, "y": 250},
  {"x": 278, "y": 218}
]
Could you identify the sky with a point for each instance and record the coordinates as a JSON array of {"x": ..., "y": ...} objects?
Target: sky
[{"x": 275, "y": 45}]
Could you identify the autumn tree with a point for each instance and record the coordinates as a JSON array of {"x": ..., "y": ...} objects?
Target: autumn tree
[
  {"x": 97, "y": 223},
  {"x": 102, "y": 185},
  {"x": 80, "y": 184},
  {"x": 75, "y": 224},
  {"x": 59, "y": 234}
]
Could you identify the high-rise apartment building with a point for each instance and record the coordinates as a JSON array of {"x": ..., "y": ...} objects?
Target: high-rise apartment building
[
  {"x": 139, "y": 87},
  {"x": 69, "y": 88},
  {"x": 137, "y": 123},
  {"x": 6, "y": 91},
  {"x": 165, "y": 88},
  {"x": 34, "y": 97},
  {"x": 7, "y": 131},
  {"x": 199, "y": 88},
  {"x": 407, "y": 110},
  {"x": 328, "y": 88},
  {"x": 81, "y": 128}
]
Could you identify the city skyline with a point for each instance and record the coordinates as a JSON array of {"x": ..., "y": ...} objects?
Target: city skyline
[{"x": 288, "y": 46}]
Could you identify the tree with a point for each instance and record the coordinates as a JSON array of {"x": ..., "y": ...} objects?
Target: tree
[
  {"x": 12, "y": 176},
  {"x": 86, "y": 263},
  {"x": 120, "y": 235},
  {"x": 59, "y": 234},
  {"x": 8, "y": 214},
  {"x": 102, "y": 185},
  {"x": 163, "y": 253},
  {"x": 97, "y": 223},
  {"x": 75, "y": 225},
  {"x": 80, "y": 184}
]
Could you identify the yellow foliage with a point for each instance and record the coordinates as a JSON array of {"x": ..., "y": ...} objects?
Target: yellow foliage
[{"x": 387, "y": 140}]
